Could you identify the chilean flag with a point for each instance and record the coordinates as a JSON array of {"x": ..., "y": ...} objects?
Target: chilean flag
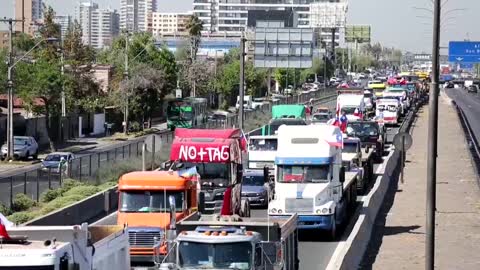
[
  {"x": 3, "y": 224},
  {"x": 243, "y": 142},
  {"x": 336, "y": 140}
]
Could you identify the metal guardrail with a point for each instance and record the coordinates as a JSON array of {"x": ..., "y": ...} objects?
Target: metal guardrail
[
  {"x": 87, "y": 168},
  {"x": 472, "y": 141}
]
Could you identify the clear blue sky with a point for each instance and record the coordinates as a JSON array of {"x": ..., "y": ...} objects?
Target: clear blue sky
[{"x": 394, "y": 22}]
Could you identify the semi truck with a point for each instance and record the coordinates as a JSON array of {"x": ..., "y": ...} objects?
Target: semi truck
[
  {"x": 217, "y": 158},
  {"x": 143, "y": 206},
  {"x": 352, "y": 103},
  {"x": 262, "y": 151},
  {"x": 233, "y": 242},
  {"x": 310, "y": 180},
  {"x": 79, "y": 247}
]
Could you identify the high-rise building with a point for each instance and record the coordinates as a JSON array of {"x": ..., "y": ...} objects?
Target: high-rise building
[
  {"x": 99, "y": 26},
  {"x": 65, "y": 21},
  {"x": 169, "y": 23},
  {"x": 31, "y": 11},
  {"x": 135, "y": 15},
  {"x": 230, "y": 17}
]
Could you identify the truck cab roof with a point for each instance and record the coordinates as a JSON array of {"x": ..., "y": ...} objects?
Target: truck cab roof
[
  {"x": 219, "y": 234},
  {"x": 153, "y": 180}
]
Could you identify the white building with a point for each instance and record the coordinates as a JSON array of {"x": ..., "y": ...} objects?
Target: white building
[
  {"x": 65, "y": 22},
  {"x": 230, "y": 16},
  {"x": 99, "y": 26},
  {"x": 168, "y": 23},
  {"x": 135, "y": 15}
]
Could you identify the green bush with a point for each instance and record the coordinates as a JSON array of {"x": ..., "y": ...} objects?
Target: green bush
[
  {"x": 22, "y": 217},
  {"x": 69, "y": 184},
  {"x": 49, "y": 195},
  {"x": 4, "y": 210},
  {"x": 84, "y": 191},
  {"x": 107, "y": 185},
  {"x": 22, "y": 202},
  {"x": 60, "y": 202}
]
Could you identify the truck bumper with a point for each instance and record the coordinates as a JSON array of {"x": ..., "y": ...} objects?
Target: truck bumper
[{"x": 313, "y": 222}]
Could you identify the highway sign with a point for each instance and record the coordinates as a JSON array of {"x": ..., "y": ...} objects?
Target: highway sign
[{"x": 464, "y": 51}]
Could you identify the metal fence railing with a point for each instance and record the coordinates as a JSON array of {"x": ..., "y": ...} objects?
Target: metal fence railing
[{"x": 89, "y": 167}]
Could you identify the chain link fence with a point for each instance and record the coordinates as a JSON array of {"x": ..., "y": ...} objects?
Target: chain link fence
[{"x": 95, "y": 167}]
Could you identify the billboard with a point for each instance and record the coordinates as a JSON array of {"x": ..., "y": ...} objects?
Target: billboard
[
  {"x": 358, "y": 33},
  {"x": 283, "y": 47},
  {"x": 464, "y": 51},
  {"x": 328, "y": 15}
]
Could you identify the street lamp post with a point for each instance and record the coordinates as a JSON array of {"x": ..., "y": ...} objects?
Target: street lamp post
[{"x": 125, "y": 115}]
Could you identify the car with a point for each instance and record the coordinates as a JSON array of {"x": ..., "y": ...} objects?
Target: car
[
  {"x": 472, "y": 89},
  {"x": 257, "y": 189},
  {"x": 258, "y": 103},
  {"x": 320, "y": 118},
  {"x": 370, "y": 134},
  {"x": 23, "y": 147},
  {"x": 51, "y": 163},
  {"x": 449, "y": 85}
]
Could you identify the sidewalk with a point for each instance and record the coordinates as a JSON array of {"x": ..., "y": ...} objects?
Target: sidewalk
[{"x": 398, "y": 240}]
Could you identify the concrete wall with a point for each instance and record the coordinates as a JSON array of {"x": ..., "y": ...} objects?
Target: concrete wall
[{"x": 87, "y": 210}]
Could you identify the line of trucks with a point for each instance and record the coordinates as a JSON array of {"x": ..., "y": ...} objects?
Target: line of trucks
[{"x": 191, "y": 214}]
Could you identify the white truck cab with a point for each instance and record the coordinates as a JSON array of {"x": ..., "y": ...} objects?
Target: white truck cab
[
  {"x": 262, "y": 151},
  {"x": 310, "y": 179},
  {"x": 388, "y": 111},
  {"x": 352, "y": 102}
]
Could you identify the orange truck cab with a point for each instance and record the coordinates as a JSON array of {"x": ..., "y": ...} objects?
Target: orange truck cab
[{"x": 144, "y": 206}]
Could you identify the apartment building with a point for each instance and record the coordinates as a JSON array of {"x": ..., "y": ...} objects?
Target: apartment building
[
  {"x": 65, "y": 21},
  {"x": 168, "y": 23},
  {"x": 99, "y": 26},
  {"x": 135, "y": 15},
  {"x": 230, "y": 16},
  {"x": 31, "y": 11}
]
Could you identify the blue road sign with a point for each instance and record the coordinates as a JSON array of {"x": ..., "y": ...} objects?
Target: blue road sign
[{"x": 464, "y": 51}]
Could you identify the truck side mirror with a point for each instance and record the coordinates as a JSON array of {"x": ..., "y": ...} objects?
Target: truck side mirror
[
  {"x": 165, "y": 165},
  {"x": 341, "y": 176},
  {"x": 367, "y": 149},
  {"x": 266, "y": 174},
  {"x": 201, "y": 202}
]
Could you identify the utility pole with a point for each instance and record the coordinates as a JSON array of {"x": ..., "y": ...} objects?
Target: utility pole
[
  {"x": 23, "y": 16},
  {"x": 334, "y": 60},
  {"x": 432, "y": 143},
  {"x": 10, "y": 88},
  {"x": 125, "y": 115},
  {"x": 62, "y": 61},
  {"x": 242, "y": 81}
]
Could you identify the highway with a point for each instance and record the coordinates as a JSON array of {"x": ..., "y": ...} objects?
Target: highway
[
  {"x": 315, "y": 251},
  {"x": 470, "y": 104}
]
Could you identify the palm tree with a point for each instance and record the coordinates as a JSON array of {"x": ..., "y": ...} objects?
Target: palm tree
[{"x": 194, "y": 27}]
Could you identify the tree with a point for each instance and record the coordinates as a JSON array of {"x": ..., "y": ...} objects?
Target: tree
[
  {"x": 23, "y": 42},
  {"x": 50, "y": 30},
  {"x": 144, "y": 89},
  {"x": 194, "y": 27},
  {"x": 74, "y": 51}
]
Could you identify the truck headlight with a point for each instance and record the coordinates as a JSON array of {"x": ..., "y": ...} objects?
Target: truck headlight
[
  {"x": 319, "y": 211},
  {"x": 280, "y": 211},
  {"x": 273, "y": 210},
  {"x": 324, "y": 210}
]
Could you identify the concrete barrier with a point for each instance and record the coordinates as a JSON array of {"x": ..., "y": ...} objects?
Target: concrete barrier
[
  {"x": 86, "y": 210},
  {"x": 350, "y": 251}
]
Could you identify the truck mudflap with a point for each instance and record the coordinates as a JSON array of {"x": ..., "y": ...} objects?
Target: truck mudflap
[{"x": 312, "y": 222}]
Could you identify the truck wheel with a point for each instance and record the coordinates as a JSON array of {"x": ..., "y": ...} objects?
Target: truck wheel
[{"x": 332, "y": 236}]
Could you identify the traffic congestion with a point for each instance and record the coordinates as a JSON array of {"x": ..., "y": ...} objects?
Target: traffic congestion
[{"x": 230, "y": 200}]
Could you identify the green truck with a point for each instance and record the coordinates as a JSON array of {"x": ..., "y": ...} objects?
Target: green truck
[
  {"x": 282, "y": 115},
  {"x": 186, "y": 112}
]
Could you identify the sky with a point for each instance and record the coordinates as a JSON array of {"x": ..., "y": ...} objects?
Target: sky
[{"x": 403, "y": 24}]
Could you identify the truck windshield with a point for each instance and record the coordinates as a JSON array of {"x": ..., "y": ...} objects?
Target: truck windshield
[
  {"x": 149, "y": 201},
  {"x": 349, "y": 110},
  {"x": 262, "y": 145},
  {"x": 211, "y": 170},
  {"x": 362, "y": 129},
  {"x": 253, "y": 180},
  {"x": 215, "y": 256},
  {"x": 303, "y": 174},
  {"x": 349, "y": 148}
]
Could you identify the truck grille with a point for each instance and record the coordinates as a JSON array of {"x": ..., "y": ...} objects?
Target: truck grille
[
  {"x": 299, "y": 205},
  {"x": 143, "y": 239}
]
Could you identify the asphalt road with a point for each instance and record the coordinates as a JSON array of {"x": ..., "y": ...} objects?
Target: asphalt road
[{"x": 470, "y": 104}]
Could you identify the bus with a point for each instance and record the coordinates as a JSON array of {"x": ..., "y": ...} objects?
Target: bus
[{"x": 186, "y": 112}]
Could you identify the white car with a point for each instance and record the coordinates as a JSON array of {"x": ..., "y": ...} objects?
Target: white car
[{"x": 23, "y": 147}]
